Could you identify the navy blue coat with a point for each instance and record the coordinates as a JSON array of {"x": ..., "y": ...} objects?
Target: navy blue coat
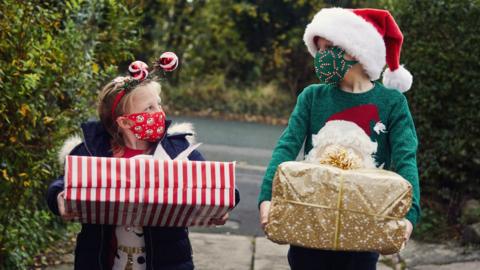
[{"x": 166, "y": 248}]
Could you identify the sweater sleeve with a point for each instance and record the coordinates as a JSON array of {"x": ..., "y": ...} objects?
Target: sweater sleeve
[
  {"x": 289, "y": 144},
  {"x": 404, "y": 144}
]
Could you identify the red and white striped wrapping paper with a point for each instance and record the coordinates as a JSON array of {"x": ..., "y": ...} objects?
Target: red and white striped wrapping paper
[{"x": 148, "y": 192}]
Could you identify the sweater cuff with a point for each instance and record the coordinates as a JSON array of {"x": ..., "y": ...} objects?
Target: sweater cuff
[
  {"x": 412, "y": 216},
  {"x": 262, "y": 198}
]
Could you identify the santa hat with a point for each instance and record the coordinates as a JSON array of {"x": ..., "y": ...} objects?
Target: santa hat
[
  {"x": 370, "y": 35},
  {"x": 363, "y": 116}
]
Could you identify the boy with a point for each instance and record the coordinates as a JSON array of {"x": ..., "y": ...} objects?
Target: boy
[{"x": 350, "y": 49}]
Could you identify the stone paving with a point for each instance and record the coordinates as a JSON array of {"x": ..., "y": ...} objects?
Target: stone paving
[{"x": 238, "y": 252}]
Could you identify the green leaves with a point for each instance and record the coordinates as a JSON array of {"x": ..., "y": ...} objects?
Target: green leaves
[
  {"x": 54, "y": 58},
  {"x": 237, "y": 57},
  {"x": 441, "y": 51}
]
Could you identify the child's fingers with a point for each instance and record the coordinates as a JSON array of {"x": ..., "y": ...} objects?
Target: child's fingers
[
  {"x": 263, "y": 223},
  {"x": 264, "y": 210},
  {"x": 220, "y": 221},
  {"x": 404, "y": 244},
  {"x": 68, "y": 216},
  {"x": 215, "y": 222},
  {"x": 408, "y": 231},
  {"x": 225, "y": 217},
  {"x": 61, "y": 203}
]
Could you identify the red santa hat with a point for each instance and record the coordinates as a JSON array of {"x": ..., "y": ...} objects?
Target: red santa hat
[
  {"x": 370, "y": 35},
  {"x": 363, "y": 116}
]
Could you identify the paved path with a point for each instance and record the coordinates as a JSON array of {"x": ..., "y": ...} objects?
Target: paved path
[
  {"x": 213, "y": 251},
  {"x": 246, "y": 143},
  {"x": 239, "y": 252}
]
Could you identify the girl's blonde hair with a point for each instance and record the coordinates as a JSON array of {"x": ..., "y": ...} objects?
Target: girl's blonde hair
[{"x": 106, "y": 98}]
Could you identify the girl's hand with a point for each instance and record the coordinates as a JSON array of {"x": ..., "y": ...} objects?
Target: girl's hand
[
  {"x": 220, "y": 221},
  {"x": 264, "y": 210},
  {"x": 67, "y": 216}
]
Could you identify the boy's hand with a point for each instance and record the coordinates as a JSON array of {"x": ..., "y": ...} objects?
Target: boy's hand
[
  {"x": 408, "y": 231},
  {"x": 220, "y": 221},
  {"x": 61, "y": 208},
  {"x": 264, "y": 210}
]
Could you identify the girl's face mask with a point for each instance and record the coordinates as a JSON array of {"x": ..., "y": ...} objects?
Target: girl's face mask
[
  {"x": 331, "y": 66},
  {"x": 148, "y": 126}
]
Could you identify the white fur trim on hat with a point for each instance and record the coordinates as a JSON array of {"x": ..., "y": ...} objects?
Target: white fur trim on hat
[
  {"x": 351, "y": 32},
  {"x": 400, "y": 79}
]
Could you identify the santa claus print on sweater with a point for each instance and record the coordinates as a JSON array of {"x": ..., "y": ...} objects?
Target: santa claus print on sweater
[
  {"x": 365, "y": 116},
  {"x": 383, "y": 115}
]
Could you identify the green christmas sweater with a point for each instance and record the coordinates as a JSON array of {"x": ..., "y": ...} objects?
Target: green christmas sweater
[{"x": 319, "y": 103}]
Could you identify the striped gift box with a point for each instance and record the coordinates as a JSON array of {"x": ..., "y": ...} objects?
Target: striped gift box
[{"x": 148, "y": 192}]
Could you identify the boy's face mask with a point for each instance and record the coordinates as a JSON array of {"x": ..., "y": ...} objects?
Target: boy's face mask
[
  {"x": 148, "y": 126},
  {"x": 331, "y": 66}
]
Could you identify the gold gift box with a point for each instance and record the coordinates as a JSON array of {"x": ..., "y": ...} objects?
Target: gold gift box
[{"x": 324, "y": 207}]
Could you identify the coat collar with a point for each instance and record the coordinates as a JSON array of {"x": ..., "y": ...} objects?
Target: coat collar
[{"x": 97, "y": 140}]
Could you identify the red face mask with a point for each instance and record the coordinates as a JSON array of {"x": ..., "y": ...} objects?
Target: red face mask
[{"x": 148, "y": 126}]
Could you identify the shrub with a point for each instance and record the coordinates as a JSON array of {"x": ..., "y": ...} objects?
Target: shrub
[
  {"x": 213, "y": 94},
  {"x": 54, "y": 56},
  {"x": 441, "y": 50}
]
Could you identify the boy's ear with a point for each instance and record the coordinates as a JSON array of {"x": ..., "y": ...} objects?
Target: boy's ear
[{"x": 124, "y": 122}]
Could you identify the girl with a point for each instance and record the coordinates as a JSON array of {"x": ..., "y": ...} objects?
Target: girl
[
  {"x": 132, "y": 122},
  {"x": 350, "y": 49}
]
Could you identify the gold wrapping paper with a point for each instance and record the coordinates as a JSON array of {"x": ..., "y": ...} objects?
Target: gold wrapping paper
[{"x": 324, "y": 207}]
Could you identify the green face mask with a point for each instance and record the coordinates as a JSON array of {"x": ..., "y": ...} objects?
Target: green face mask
[{"x": 330, "y": 65}]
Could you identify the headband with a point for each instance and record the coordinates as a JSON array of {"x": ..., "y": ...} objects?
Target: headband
[{"x": 139, "y": 72}]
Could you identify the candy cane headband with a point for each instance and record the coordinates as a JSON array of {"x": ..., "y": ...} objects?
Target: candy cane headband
[{"x": 138, "y": 70}]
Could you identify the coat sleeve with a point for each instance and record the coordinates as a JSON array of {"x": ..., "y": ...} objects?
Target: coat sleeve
[
  {"x": 57, "y": 185},
  {"x": 53, "y": 190},
  {"x": 196, "y": 155},
  {"x": 290, "y": 142}
]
